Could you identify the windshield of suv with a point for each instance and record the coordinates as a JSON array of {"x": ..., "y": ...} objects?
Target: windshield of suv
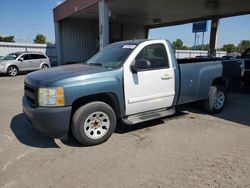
[
  {"x": 112, "y": 56},
  {"x": 11, "y": 56}
]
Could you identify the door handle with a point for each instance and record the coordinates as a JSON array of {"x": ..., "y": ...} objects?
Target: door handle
[{"x": 166, "y": 77}]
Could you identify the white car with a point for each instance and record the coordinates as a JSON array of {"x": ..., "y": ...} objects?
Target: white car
[{"x": 14, "y": 63}]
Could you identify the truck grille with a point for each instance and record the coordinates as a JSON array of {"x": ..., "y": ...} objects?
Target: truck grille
[{"x": 30, "y": 93}]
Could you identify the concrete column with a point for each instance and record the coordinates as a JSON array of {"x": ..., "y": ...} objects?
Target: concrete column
[
  {"x": 213, "y": 36},
  {"x": 103, "y": 23},
  {"x": 58, "y": 42}
]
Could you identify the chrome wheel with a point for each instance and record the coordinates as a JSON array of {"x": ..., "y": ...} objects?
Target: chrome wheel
[
  {"x": 96, "y": 125},
  {"x": 219, "y": 100},
  {"x": 12, "y": 71}
]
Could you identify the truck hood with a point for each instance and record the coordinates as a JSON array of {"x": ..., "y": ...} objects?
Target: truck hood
[{"x": 44, "y": 77}]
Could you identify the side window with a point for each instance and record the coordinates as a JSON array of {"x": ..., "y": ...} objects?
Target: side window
[
  {"x": 38, "y": 56},
  {"x": 42, "y": 57},
  {"x": 156, "y": 54},
  {"x": 34, "y": 56}
]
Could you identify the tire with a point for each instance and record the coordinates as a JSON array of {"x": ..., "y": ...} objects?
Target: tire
[
  {"x": 12, "y": 71},
  {"x": 93, "y": 123},
  {"x": 44, "y": 66},
  {"x": 216, "y": 100}
]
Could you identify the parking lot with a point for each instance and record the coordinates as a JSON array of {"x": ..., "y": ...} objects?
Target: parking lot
[{"x": 191, "y": 149}]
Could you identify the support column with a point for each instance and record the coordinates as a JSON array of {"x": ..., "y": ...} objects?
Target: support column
[
  {"x": 213, "y": 36},
  {"x": 58, "y": 43},
  {"x": 103, "y": 24}
]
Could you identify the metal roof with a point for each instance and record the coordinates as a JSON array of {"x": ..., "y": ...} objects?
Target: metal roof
[{"x": 154, "y": 13}]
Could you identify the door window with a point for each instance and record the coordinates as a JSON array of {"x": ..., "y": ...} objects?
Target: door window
[
  {"x": 26, "y": 57},
  {"x": 156, "y": 54}
]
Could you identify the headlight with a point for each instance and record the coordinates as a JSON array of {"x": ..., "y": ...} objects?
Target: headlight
[{"x": 51, "y": 96}]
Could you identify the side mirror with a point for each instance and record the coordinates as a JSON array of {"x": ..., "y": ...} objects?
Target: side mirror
[
  {"x": 21, "y": 59},
  {"x": 141, "y": 64}
]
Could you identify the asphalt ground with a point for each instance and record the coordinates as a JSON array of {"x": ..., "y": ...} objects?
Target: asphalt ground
[{"x": 190, "y": 149}]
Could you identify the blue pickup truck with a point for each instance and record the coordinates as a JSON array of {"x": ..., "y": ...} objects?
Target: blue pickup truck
[{"x": 133, "y": 81}]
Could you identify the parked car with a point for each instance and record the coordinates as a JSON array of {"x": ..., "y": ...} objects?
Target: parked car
[
  {"x": 135, "y": 81},
  {"x": 246, "y": 57},
  {"x": 14, "y": 63},
  {"x": 232, "y": 55}
]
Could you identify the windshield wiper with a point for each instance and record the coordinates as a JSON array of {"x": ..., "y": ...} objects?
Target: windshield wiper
[{"x": 95, "y": 64}]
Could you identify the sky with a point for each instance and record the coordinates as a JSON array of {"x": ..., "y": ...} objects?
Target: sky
[
  {"x": 231, "y": 31},
  {"x": 26, "y": 18}
]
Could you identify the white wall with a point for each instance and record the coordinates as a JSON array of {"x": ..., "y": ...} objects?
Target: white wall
[{"x": 49, "y": 50}]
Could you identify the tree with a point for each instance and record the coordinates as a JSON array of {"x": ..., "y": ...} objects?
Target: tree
[
  {"x": 177, "y": 44},
  {"x": 7, "y": 39},
  {"x": 229, "y": 48},
  {"x": 244, "y": 44},
  {"x": 40, "y": 39}
]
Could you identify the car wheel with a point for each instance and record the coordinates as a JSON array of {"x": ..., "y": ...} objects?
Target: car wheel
[
  {"x": 44, "y": 66},
  {"x": 216, "y": 100},
  {"x": 93, "y": 123},
  {"x": 12, "y": 71}
]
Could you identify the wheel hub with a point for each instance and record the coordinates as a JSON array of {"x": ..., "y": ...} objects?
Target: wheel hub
[
  {"x": 219, "y": 100},
  {"x": 96, "y": 125}
]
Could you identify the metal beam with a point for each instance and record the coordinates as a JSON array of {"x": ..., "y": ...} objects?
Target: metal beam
[
  {"x": 213, "y": 36},
  {"x": 58, "y": 43},
  {"x": 103, "y": 23}
]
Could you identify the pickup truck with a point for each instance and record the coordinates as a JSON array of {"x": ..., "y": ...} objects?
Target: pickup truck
[{"x": 133, "y": 81}]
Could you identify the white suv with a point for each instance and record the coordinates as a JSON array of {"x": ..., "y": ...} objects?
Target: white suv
[{"x": 14, "y": 63}]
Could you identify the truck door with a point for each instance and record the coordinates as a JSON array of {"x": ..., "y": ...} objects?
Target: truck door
[{"x": 152, "y": 88}]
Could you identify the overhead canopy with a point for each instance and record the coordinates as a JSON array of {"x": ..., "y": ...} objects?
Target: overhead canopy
[
  {"x": 84, "y": 26},
  {"x": 154, "y": 13}
]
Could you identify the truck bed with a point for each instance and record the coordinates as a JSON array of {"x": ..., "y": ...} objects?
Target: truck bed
[{"x": 198, "y": 74}]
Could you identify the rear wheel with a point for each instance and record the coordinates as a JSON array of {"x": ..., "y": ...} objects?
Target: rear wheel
[
  {"x": 93, "y": 123},
  {"x": 44, "y": 66},
  {"x": 12, "y": 71},
  {"x": 216, "y": 100}
]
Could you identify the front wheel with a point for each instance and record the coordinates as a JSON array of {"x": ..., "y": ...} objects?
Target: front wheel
[
  {"x": 12, "y": 71},
  {"x": 216, "y": 100},
  {"x": 93, "y": 123}
]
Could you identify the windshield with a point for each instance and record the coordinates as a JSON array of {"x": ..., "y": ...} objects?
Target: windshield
[
  {"x": 112, "y": 56},
  {"x": 11, "y": 56}
]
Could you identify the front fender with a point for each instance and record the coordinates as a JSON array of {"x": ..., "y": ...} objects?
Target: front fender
[{"x": 99, "y": 83}]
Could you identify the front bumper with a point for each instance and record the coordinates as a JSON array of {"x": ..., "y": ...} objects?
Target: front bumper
[
  {"x": 53, "y": 122},
  {"x": 3, "y": 69}
]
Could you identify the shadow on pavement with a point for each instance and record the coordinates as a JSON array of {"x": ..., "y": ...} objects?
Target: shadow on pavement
[
  {"x": 237, "y": 109},
  {"x": 27, "y": 135}
]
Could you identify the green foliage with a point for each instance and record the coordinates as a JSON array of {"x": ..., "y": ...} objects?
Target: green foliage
[
  {"x": 7, "y": 39},
  {"x": 177, "y": 44},
  {"x": 40, "y": 39},
  {"x": 243, "y": 45},
  {"x": 229, "y": 48}
]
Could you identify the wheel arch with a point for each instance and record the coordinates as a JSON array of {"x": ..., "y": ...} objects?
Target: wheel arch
[
  {"x": 109, "y": 98},
  {"x": 12, "y": 65},
  {"x": 220, "y": 81},
  {"x": 44, "y": 63}
]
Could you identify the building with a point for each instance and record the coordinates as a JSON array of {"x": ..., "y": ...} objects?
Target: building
[{"x": 83, "y": 27}]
